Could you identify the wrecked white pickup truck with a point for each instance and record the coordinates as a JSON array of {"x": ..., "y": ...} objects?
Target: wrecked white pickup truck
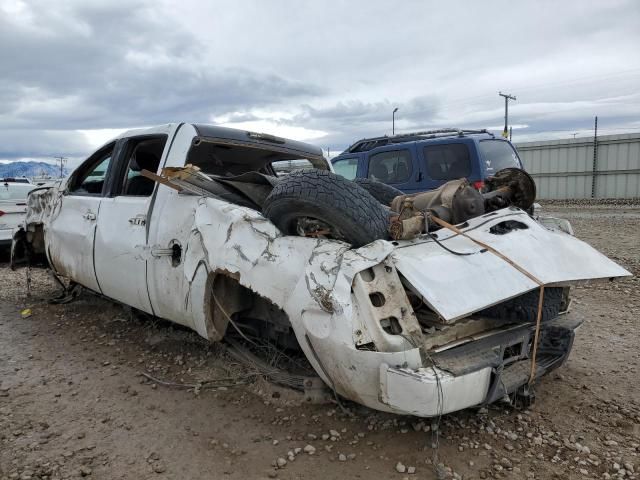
[{"x": 209, "y": 227}]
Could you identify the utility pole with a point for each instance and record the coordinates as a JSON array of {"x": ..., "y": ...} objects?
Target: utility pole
[
  {"x": 507, "y": 97},
  {"x": 393, "y": 121},
  {"x": 510, "y": 133},
  {"x": 62, "y": 161}
]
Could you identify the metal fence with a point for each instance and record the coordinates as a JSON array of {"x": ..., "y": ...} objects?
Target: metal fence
[{"x": 606, "y": 166}]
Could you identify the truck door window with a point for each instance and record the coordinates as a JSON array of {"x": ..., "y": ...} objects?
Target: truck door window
[
  {"x": 447, "y": 162},
  {"x": 390, "y": 167},
  {"x": 142, "y": 154},
  {"x": 347, "y": 167},
  {"x": 89, "y": 177}
]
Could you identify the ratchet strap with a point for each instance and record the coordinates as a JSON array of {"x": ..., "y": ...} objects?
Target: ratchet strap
[{"x": 455, "y": 229}]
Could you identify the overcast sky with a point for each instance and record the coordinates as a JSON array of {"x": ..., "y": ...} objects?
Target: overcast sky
[{"x": 75, "y": 73}]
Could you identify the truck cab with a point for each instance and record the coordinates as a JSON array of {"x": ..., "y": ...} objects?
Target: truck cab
[{"x": 421, "y": 161}]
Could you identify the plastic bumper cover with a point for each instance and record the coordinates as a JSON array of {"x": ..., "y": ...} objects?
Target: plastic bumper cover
[{"x": 476, "y": 374}]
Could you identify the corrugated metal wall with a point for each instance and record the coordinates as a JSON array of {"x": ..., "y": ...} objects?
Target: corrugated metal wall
[{"x": 564, "y": 168}]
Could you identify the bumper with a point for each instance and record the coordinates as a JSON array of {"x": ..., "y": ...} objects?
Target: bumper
[
  {"x": 430, "y": 392},
  {"x": 477, "y": 373},
  {"x": 6, "y": 236}
]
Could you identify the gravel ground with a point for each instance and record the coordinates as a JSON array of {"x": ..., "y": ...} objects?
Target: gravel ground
[{"x": 73, "y": 402}]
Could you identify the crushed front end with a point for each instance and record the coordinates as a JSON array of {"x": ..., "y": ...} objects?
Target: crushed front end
[{"x": 439, "y": 329}]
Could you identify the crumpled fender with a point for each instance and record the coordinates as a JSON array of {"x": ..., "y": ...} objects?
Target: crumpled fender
[{"x": 309, "y": 279}]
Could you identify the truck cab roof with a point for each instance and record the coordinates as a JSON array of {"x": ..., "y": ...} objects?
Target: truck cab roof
[{"x": 231, "y": 135}]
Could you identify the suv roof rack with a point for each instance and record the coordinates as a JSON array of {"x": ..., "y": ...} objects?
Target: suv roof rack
[{"x": 370, "y": 143}]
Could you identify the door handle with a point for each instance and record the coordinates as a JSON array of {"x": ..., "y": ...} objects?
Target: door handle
[{"x": 89, "y": 216}]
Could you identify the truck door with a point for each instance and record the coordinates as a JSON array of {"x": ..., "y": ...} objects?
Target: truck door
[
  {"x": 170, "y": 229},
  {"x": 121, "y": 251},
  {"x": 71, "y": 231}
]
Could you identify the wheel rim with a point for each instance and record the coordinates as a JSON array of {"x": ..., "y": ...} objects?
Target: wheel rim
[{"x": 315, "y": 228}]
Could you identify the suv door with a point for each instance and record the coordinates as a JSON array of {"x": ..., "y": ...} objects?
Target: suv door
[
  {"x": 70, "y": 234},
  {"x": 121, "y": 236},
  {"x": 393, "y": 167}
]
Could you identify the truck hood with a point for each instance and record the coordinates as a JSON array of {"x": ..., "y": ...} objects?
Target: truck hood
[{"x": 456, "y": 285}]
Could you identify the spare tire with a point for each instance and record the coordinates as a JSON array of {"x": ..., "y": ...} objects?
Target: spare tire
[
  {"x": 525, "y": 307},
  {"x": 321, "y": 204},
  {"x": 380, "y": 191}
]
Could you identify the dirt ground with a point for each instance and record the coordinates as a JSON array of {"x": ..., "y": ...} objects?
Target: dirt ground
[{"x": 73, "y": 402}]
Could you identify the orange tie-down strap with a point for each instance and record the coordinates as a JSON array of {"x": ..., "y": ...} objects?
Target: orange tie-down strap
[{"x": 453, "y": 228}]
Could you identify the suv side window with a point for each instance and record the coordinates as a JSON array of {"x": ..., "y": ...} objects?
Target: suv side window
[
  {"x": 447, "y": 162},
  {"x": 390, "y": 167},
  {"x": 89, "y": 179},
  {"x": 347, "y": 167}
]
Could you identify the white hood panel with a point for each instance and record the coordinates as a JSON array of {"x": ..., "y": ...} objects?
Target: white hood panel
[{"x": 458, "y": 285}]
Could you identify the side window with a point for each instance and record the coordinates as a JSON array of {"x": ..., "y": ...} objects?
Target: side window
[
  {"x": 390, "y": 167},
  {"x": 447, "y": 162},
  {"x": 141, "y": 154},
  {"x": 89, "y": 177},
  {"x": 347, "y": 167}
]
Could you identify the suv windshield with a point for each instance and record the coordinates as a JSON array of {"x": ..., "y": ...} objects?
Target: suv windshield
[{"x": 497, "y": 155}]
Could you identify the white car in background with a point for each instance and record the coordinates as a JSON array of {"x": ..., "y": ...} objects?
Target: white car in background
[{"x": 13, "y": 208}]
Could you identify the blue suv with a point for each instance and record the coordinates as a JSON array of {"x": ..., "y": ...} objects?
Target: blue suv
[{"x": 415, "y": 162}]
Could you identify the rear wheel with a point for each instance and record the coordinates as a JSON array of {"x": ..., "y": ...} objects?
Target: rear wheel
[{"x": 321, "y": 204}]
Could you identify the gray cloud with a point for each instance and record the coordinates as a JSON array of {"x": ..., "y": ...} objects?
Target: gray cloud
[
  {"x": 109, "y": 65},
  {"x": 41, "y": 144},
  {"x": 337, "y": 66}
]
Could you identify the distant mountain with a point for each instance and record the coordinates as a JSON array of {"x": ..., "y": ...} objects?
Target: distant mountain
[{"x": 30, "y": 170}]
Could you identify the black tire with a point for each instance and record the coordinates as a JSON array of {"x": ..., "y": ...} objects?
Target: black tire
[
  {"x": 380, "y": 191},
  {"x": 350, "y": 212},
  {"x": 525, "y": 307}
]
